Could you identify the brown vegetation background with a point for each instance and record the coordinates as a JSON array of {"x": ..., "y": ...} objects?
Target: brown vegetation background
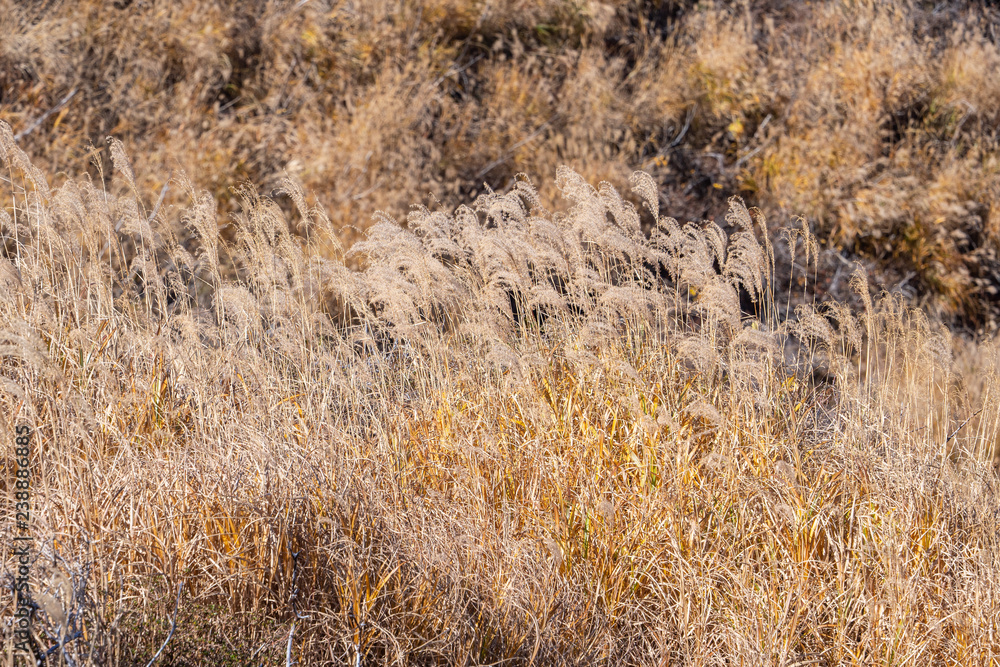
[
  {"x": 281, "y": 417},
  {"x": 877, "y": 121}
]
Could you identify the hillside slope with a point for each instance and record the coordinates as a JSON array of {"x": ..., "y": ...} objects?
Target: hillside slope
[{"x": 875, "y": 120}]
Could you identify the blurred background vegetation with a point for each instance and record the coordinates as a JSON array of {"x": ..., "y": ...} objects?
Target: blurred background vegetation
[{"x": 877, "y": 121}]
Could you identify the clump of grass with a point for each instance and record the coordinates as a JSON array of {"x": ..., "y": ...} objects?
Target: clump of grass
[
  {"x": 502, "y": 433},
  {"x": 874, "y": 120}
]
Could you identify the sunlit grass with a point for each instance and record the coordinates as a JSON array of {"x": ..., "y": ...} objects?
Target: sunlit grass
[{"x": 514, "y": 435}]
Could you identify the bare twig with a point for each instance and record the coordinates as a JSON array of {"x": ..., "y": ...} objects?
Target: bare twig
[
  {"x": 454, "y": 70},
  {"x": 902, "y": 283},
  {"x": 687, "y": 123},
  {"x": 760, "y": 128},
  {"x": 76, "y": 635},
  {"x": 173, "y": 626},
  {"x": 295, "y": 611},
  {"x": 41, "y": 119},
  {"x": 230, "y": 103},
  {"x": 720, "y": 158},
  {"x": 159, "y": 202},
  {"x": 955, "y": 432},
  {"x": 288, "y": 650},
  {"x": 510, "y": 152}
]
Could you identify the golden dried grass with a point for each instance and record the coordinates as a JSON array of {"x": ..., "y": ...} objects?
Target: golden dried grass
[{"x": 501, "y": 434}]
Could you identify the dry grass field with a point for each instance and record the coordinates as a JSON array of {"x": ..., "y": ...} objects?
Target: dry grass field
[
  {"x": 875, "y": 119},
  {"x": 315, "y": 376}
]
